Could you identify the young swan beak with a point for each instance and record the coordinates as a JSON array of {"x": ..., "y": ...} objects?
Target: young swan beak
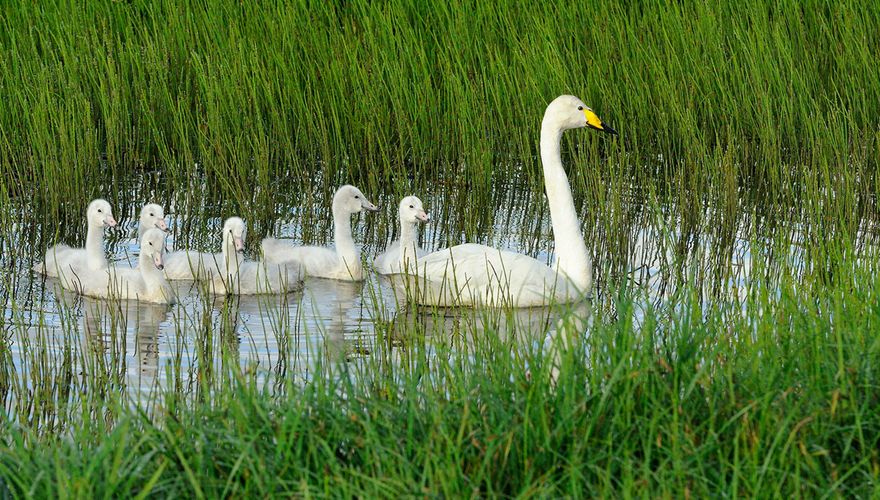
[
  {"x": 367, "y": 205},
  {"x": 239, "y": 244},
  {"x": 157, "y": 259}
]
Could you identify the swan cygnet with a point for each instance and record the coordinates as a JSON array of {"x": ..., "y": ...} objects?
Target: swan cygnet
[
  {"x": 145, "y": 283},
  {"x": 233, "y": 275},
  {"x": 392, "y": 260},
  {"x": 342, "y": 262},
  {"x": 152, "y": 216},
  {"x": 472, "y": 274},
  {"x": 62, "y": 260}
]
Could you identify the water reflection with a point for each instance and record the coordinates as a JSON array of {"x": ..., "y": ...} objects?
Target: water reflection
[{"x": 653, "y": 248}]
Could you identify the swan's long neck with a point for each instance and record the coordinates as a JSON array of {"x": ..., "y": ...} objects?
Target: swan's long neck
[
  {"x": 95, "y": 258},
  {"x": 231, "y": 258},
  {"x": 572, "y": 257},
  {"x": 153, "y": 278},
  {"x": 345, "y": 247},
  {"x": 409, "y": 235}
]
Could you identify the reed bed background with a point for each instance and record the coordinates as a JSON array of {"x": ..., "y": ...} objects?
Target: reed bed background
[{"x": 732, "y": 344}]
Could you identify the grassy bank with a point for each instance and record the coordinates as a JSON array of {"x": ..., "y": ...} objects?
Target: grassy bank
[
  {"x": 774, "y": 396},
  {"x": 767, "y": 93}
]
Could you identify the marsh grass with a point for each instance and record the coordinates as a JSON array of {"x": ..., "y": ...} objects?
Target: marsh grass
[
  {"x": 240, "y": 94},
  {"x": 732, "y": 342},
  {"x": 673, "y": 399}
]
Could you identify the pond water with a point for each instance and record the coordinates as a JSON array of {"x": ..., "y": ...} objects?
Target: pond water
[{"x": 153, "y": 346}]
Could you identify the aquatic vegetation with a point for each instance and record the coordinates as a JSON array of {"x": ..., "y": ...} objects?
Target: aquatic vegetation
[{"x": 732, "y": 343}]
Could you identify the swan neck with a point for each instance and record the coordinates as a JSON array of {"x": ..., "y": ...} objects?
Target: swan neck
[
  {"x": 409, "y": 234},
  {"x": 342, "y": 239},
  {"x": 152, "y": 276},
  {"x": 572, "y": 257},
  {"x": 231, "y": 258},
  {"x": 95, "y": 258}
]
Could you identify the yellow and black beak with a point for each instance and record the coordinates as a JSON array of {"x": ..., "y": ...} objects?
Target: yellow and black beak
[{"x": 594, "y": 122}]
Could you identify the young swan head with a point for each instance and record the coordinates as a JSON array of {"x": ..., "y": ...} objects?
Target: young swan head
[
  {"x": 412, "y": 211},
  {"x": 100, "y": 214},
  {"x": 152, "y": 215},
  {"x": 153, "y": 246},
  {"x": 352, "y": 200},
  {"x": 568, "y": 112},
  {"x": 234, "y": 233}
]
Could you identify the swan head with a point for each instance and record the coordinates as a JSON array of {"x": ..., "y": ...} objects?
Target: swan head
[
  {"x": 568, "y": 112},
  {"x": 352, "y": 200},
  {"x": 412, "y": 211},
  {"x": 153, "y": 246},
  {"x": 234, "y": 233},
  {"x": 100, "y": 214},
  {"x": 152, "y": 215}
]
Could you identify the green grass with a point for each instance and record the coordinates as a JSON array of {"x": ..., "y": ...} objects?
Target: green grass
[
  {"x": 743, "y": 126},
  {"x": 675, "y": 400},
  {"x": 766, "y": 92}
]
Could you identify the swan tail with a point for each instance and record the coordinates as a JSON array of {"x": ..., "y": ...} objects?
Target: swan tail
[{"x": 49, "y": 265}]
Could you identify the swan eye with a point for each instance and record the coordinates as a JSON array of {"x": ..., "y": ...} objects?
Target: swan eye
[
  {"x": 580, "y": 108},
  {"x": 152, "y": 215},
  {"x": 150, "y": 242},
  {"x": 100, "y": 211},
  {"x": 411, "y": 206},
  {"x": 357, "y": 197}
]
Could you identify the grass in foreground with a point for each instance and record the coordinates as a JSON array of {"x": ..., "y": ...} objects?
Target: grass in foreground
[{"x": 774, "y": 396}]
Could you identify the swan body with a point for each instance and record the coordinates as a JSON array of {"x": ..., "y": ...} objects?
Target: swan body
[
  {"x": 342, "y": 262},
  {"x": 233, "y": 275},
  {"x": 190, "y": 265},
  {"x": 145, "y": 283},
  {"x": 392, "y": 260},
  {"x": 471, "y": 274},
  {"x": 64, "y": 261},
  {"x": 187, "y": 265}
]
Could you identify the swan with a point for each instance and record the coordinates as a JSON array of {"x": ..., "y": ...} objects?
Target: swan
[
  {"x": 145, "y": 283},
  {"x": 152, "y": 215},
  {"x": 412, "y": 212},
  {"x": 190, "y": 265},
  {"x": 233, "y": 275},
  {"x": 343, "y": 263},
  {"x": 471, "y": 274},
  {"x": 61, "y": 260}
]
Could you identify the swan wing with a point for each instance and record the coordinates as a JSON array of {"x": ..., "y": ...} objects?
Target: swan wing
[
  {"x": 61, "y": 258},
  {"x": 185, "y": 265},
  {"x": 474, "y": 274}
]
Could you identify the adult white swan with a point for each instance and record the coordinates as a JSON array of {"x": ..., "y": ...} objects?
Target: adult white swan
[
  {"x": 392, "y": 260},
  {"x": 472, "y": 274},
  {"x": 144, "y": 283},
  {"x": 233, "y": 275},
  {"x": 62, "y": 260},
  {"x": 341, "y": 263}
]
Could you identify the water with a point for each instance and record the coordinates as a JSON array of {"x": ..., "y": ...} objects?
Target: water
[{"x": 143, "y": 348}]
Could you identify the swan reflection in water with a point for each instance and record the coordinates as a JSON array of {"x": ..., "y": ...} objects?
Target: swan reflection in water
[
  {"x": 124, "y": 331},
  {"x": 285, "y": 333},
  {"x": 552, "y": 328}
]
